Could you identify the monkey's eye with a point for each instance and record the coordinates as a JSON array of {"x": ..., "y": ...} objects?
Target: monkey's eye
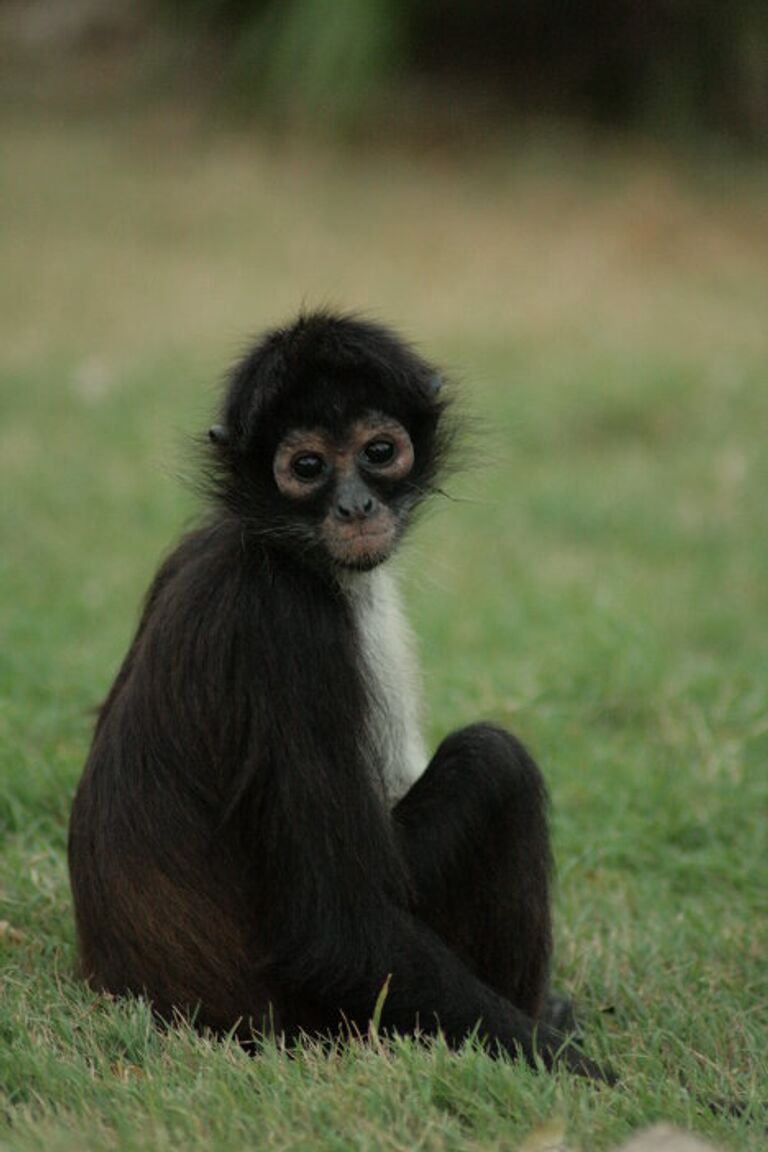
[
  {"x": 308, "y": 466},
  {"x": 379, "y": 452}
]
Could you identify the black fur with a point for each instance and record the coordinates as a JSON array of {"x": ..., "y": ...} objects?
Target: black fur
[{"x": 230, "y": 854}]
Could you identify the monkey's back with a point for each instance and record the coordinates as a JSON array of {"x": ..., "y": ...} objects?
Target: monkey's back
[{"x": 164, "y": 895}]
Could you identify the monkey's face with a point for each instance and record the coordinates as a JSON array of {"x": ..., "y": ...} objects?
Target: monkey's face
[{"x": 350, "y": 488}]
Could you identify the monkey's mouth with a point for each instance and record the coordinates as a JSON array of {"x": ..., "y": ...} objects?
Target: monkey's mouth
[{"x": 361, "y": 545}]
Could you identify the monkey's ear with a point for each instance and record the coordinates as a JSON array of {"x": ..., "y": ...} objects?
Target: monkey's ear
[
  {"x": 435, "y": 383},
  {"x": 218, "y": 434}
]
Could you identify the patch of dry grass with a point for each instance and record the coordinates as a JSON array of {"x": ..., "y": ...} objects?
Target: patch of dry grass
[{"x": 148, "y": 231}]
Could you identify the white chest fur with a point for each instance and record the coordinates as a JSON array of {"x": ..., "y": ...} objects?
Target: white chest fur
[{"x": 392, "y": 678}]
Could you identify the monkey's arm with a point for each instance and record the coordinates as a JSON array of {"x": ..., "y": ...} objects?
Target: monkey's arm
[
  {"x": 331, "y": 889},
  {"x": 341, "y": 937}
]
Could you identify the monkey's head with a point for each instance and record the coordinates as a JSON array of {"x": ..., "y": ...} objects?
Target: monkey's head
[{"x": 332, "y": 432}]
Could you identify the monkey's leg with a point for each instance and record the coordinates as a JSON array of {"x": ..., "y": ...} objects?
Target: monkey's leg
[{"x": 473, "y": 831}]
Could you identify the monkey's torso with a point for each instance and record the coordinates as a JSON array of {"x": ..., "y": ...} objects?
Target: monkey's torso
[{"x": 170, "y": 830}]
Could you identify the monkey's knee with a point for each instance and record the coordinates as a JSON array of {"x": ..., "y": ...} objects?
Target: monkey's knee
[{"x": 491, "y": 759}]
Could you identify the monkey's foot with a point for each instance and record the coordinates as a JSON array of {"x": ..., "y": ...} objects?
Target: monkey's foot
[{"x": 559, "y": 1013}]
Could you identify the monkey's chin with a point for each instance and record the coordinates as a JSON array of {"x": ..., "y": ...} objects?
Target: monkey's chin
[
  {"x": 362, "y": 551},
  {"x": 361, "y": 559},
  {"x": 363, "y": 563}
]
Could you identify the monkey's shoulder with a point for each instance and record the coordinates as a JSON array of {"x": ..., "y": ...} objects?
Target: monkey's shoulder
[
  {"x": 222, "y": 603},
  {"x": 198, "y": 656}
]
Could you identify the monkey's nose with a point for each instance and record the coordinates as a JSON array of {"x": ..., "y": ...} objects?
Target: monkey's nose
[{"x": 357, "y": 509}]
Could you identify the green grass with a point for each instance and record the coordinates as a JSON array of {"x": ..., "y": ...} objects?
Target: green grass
[{"x": 602, "y": 587}]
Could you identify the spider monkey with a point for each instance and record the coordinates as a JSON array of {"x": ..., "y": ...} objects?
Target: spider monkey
[{"x": 258, "y": 837}]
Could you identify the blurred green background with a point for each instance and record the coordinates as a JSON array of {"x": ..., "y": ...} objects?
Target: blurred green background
[
  {"x": 676, "y": 66},
  {"x": 568, "y": 207}
]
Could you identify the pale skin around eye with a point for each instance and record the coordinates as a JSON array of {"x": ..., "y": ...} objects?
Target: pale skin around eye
[{"x": 306, "y": 458}]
